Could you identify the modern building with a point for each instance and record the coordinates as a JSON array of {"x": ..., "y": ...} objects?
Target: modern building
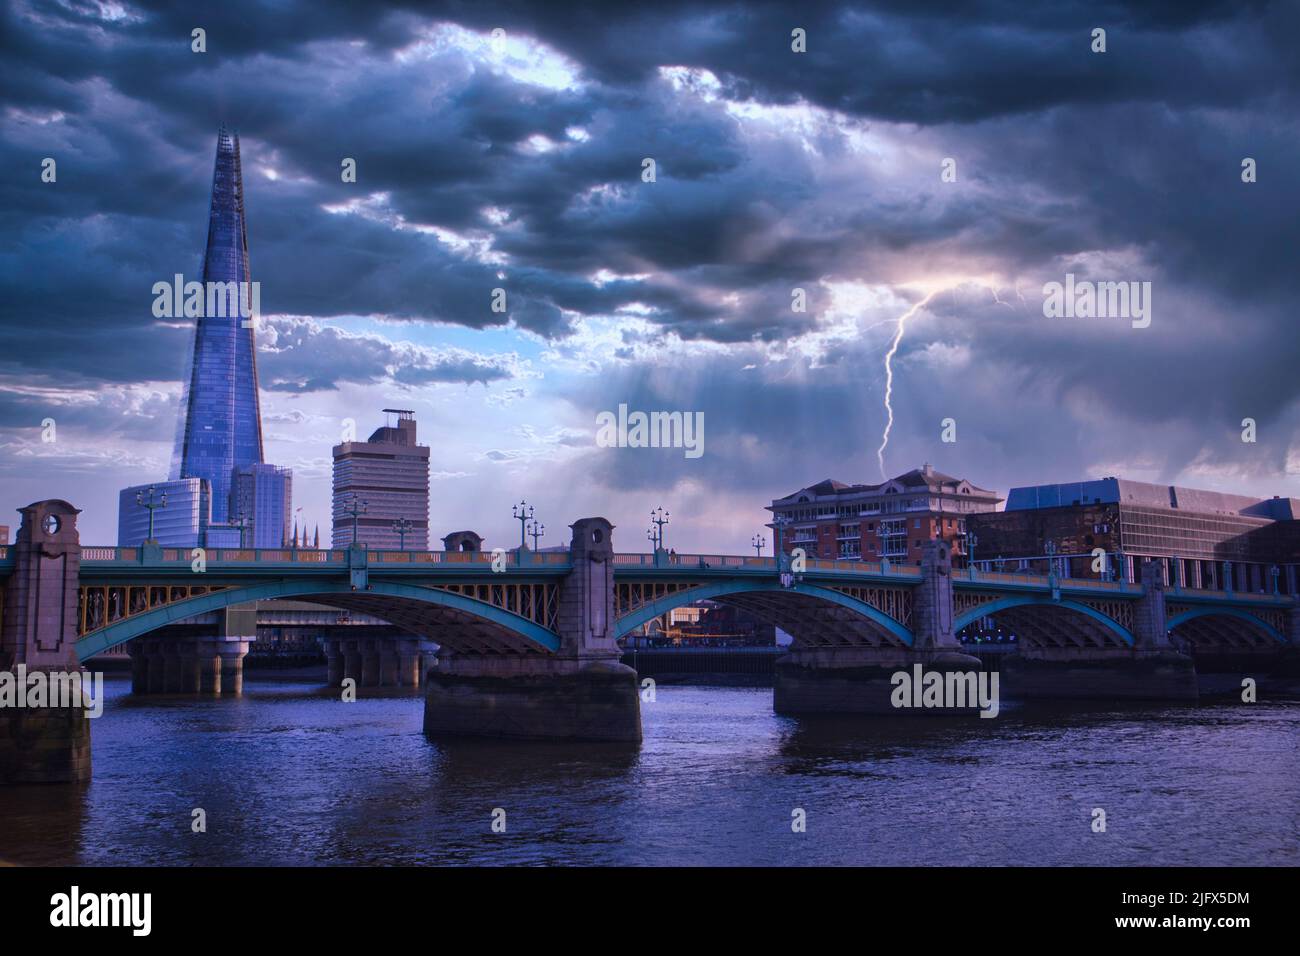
[
  {"x": 893, "y": 519},
  {"x": 263, "y": 496},
  {"x": 385, "y": 479},
  {"x": 221, "y": 424},
  {"x": 181, "y": 523},
  {"x": 1204, "y": 539}
]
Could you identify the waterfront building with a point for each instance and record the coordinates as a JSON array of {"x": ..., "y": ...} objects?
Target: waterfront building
[
  {"x": 389, "y": 476},
  {"x": 1203, "y": 539},
  {"x": 183, "y": 523},
  {"x": 893, "y": 519}
]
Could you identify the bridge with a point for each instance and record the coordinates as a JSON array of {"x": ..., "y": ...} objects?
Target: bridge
[{"x": 527, "y": 642}]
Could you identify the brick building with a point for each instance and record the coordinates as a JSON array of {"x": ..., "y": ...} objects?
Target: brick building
[{"x": 890, "y": 520}]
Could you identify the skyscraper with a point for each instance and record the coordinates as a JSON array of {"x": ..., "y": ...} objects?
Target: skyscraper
[
  {"x": 263, "y": 494},
  {"x": 221, "y": 423},
  {"x": 390, "y": 474}
]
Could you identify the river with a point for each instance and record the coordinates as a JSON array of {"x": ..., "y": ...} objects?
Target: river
[{"x": 291, "y": 775}]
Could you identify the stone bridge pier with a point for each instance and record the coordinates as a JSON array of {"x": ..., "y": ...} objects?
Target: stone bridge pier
[
  {"x": 48, "y": 743},
  {"x": 1152, "y": 669},
  {"x": 860, "y": 679},
  {"x": 578, "y": 692},
  {"x": 177, "y": 660},
  {"x": 373, "y": 661}
]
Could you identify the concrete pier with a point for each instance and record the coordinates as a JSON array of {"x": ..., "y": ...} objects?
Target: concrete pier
[
  {"x": 545, "y": 700},
  {"x": 580, "y": 692}
]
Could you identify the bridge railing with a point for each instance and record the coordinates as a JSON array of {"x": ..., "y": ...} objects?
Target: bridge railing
[
  {"x": 333, "y": 556},
  {"x": 1042, "y": 580},
  {"x": 1173, "y": 592},
  {"x": 753, "y": 562}
]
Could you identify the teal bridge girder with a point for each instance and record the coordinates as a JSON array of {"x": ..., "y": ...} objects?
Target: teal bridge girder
[
  {"x": 419, "y": 591},
  {"x": 811, "y": 612}
]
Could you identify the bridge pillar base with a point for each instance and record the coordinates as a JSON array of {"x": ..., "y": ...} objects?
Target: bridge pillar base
[
  {"x": 535, "y": 699},
  {"x": 44, "y": 745},
  {"x": 1101, "y": 675},
  {"x": 333, "y": 663},
  {"x": 859, "y": 680}
]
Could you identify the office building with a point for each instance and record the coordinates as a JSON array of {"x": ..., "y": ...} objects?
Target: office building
[
  {"x": 262, "y": 496},
  {"x": 1203, "y": 539},
  {"x": 181, "y": 523},
  {"x": 388, "y": 476}
]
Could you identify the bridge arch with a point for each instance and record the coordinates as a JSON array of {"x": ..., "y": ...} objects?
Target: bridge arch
[
  {"x": 1224, "y": 626},
  {"x": 785, "y": 608},
  {"x": 1028, "y": 616},
  {"x": 423, "y": 610}
]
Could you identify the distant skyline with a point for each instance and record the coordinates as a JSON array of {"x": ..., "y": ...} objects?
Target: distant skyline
[{"x": 516, "y": 163}]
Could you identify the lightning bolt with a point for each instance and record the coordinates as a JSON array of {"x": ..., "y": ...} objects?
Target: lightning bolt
[{"x": 889, "y": 377}]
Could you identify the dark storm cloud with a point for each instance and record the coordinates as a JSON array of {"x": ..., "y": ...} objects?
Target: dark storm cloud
[{"x": 1132, "y": 155}]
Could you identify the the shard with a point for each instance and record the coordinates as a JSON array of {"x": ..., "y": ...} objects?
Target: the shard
[{"x": 220, "y": 428}]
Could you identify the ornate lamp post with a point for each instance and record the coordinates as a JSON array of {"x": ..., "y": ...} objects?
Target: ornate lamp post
[
  {"x": 358, "y": 508},
  {"x": 659, "y": 518},
  {"x": 758, "y": 541},
  {"x": 972, "y": 539},
  {"x": 537, "y": 531},
  {"x": 1275, "y": 572},
  {"x": 401, "y": 526},
  {"x": 242, "y": 521},
  {"x": 523, "y": 513},
  {"x": 153, "y": 506}
]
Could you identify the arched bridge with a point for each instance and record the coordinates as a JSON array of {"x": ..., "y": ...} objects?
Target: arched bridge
[{"x": 475, "y": 603}]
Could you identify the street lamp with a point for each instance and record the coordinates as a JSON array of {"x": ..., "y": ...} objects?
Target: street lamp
[
  {"x": 758, "y": 541},
  {"x": 357, "y": 509},
  {"x": 1051, "y": 559},
  {"x": 660, "y": 518},
  {"x": 152, "y": 506},
  {"x": 1275, "y": 572},
  {"x": 242, "y": 521},
  {"x": 401, "y": 526},
  {"x": 537, "y": 531},
  {"x": 972, "y": 539},
  {"x": 523, "y": 513}
]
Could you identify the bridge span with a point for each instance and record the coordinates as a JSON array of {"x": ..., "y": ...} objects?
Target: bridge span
[{"x": 528, "y": 641}]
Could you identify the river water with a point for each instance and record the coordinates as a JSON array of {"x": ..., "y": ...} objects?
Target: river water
[{"x": 289, "y": 774}]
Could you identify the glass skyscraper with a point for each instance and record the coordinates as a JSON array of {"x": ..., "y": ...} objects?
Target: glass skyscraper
[
  {"x": 263, "y": 495},
  {"x": 221, "y": 423}
]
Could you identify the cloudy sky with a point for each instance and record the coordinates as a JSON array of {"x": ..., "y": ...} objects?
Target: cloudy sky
[{"x": 515, "y": 161}]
